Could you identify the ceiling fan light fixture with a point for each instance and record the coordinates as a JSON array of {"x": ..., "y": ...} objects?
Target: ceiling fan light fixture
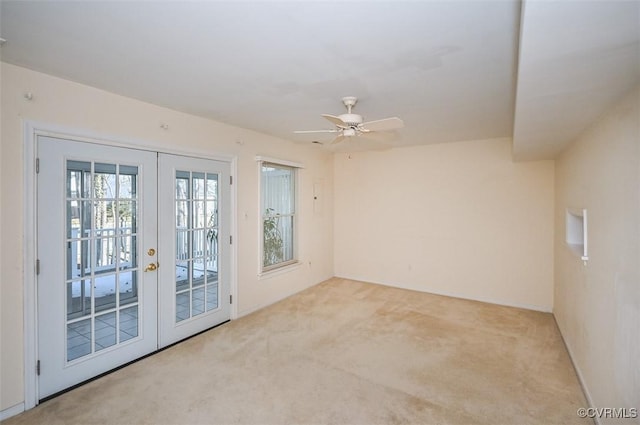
[{"x": 349, "y": 132}]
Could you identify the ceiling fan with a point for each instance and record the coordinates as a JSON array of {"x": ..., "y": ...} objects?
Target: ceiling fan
[{"x": 352, "y": 125}]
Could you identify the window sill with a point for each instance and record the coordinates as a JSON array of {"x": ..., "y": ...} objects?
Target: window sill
[{"x": 278, "y": 271}]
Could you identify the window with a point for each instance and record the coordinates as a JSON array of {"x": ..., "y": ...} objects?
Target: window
[{"x": 278, "y": 205}]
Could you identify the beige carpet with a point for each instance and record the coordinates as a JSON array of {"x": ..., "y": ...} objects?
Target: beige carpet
[{"x": 344, "y": 352}]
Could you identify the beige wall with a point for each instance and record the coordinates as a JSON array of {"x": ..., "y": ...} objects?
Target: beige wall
[
  {"x": 72, "y": 105},
  {"x": 459, "y": 218},
  {"x": 597, "y": 305}
]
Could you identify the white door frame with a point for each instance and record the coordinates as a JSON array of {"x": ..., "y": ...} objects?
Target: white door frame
[{"x": 32, "y": 130}]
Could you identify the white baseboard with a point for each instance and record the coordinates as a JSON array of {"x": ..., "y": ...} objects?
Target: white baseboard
[
  {"x": 11, "y": 411},
  {"x": 543, "y": 309},
  {"x": 583, "y": 384}
]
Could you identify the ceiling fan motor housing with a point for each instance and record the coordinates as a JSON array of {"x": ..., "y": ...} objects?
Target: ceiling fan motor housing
[{"x": 352, "y": 120}]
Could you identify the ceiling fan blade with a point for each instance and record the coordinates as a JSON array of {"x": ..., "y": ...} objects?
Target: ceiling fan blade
[
  {"x": 336, "y": 120},
  {"x": 315, "y": 131},
  {"x": 382, "y": 125},
  {"x": 338, "y": 139}
]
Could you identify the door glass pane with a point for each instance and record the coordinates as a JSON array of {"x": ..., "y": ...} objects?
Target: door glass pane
[
  {"x": 127, "y": 252},
  {"x": 128, "y": 182},
  {"x": 101, "y": 256},
  {"x": 198, "y": 272},
  {"x": 198, "y": 185},
  {"x": 197, "y": 301},
  {"x": 182, "y": 214},
  {"x": 199, "y": 217},
  {"x": 182, "y": 275},
  {"x": 78, "y": 258},
  {"x": 78, "y": 339},
  {"x": 105, "y": 331},
  {"x": 104, "y": 217},
  {"x": 212, "y": 269},
  {"x": 196, "y": 243},
  {"x": 104, "y": 290},
  {"x": 78, "y": 179},
  {"x": 104, "y": 181},
  {"x": 199, "y": 243},
  {"x": 128, "y": 323},
  {"x": 128, "y": 287},
  {"x": 212, "y": 186},
  {"x": 105, "y": 255},
  {"x": 212, "y": 296},
  {"x": 78, "y": 299},
  {"x": 183, "y": 309},
  {"x": 182, "y": 185},
  {"x": 126, "y": 216},
  {"x": 212, "y": 214}
]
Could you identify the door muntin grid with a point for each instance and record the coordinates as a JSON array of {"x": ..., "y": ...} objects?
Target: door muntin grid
[
  {"x": 196, "y": 228},
  {"x": 101, "y": 256}
]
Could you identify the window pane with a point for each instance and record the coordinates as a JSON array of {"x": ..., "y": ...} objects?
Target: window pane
[
  {"x": 278, "y": 209},
  {"x": 277, "y": 190},
  {"x": 286, "y": 230}
]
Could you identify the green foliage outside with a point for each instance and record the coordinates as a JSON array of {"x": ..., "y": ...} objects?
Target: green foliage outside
[{"x": 273, "y": 252}]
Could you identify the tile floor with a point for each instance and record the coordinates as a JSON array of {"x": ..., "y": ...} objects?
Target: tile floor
[{"x": 204, "y": 298}]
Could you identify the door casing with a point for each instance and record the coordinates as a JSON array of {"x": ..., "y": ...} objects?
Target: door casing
[{"x": 31, "y": 131}]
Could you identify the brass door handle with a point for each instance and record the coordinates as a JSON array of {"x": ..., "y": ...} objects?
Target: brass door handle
[{"x": 151, "y": 267}]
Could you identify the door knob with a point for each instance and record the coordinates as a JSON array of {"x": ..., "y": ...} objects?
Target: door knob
[{"x": 151, "y": 267}]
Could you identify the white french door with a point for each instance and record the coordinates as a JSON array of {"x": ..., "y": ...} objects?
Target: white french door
[
  {"x": 193, "y": 218},
  {"x": 106, "y": 222}
]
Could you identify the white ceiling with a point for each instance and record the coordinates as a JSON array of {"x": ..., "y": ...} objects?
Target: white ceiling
[
  {"x": 577, "y": 58},
  {"x": 449, "y": 69}
]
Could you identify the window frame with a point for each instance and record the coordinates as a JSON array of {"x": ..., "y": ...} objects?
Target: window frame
[{"x": 295, "y": 169}]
